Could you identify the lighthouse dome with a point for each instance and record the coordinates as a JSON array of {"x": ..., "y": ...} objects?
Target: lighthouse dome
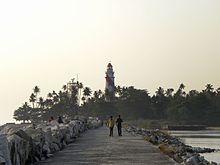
[{"x": 109, "y": 65}]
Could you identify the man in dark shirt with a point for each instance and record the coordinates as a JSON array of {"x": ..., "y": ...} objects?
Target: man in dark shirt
[{"x": 119, "y": 125}]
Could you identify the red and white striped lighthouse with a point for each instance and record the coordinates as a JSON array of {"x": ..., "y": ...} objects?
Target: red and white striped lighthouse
[{"x": 110, "y": 80}]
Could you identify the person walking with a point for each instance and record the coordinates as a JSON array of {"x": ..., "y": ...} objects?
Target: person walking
[
  {"x": 111, "y": 124},
  {"x": 119, "y": 125}
]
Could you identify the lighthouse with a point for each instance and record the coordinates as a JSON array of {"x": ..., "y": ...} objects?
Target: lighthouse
[{"x": 110, "y": 82}]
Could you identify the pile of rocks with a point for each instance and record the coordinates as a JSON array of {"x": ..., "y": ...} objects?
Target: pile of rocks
[
  {"x": 173, "y": 147},
  {"x": 22, "y": 144}
]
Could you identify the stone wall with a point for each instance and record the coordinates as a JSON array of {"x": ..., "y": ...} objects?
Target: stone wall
[{"x": 22, "y": 144}]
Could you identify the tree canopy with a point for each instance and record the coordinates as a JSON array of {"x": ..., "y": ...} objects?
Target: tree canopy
[{"x": 177, "y": 106}]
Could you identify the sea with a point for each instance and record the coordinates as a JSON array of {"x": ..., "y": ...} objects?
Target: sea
[{"x": 203, "y": 139}]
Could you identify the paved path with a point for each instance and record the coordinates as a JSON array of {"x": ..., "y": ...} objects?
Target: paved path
[{"x": 95, "y": 147}]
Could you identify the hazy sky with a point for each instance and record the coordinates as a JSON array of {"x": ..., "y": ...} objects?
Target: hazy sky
[{"x": 150, "y": 43}]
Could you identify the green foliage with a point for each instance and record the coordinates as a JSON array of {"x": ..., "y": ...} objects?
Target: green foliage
[
  {"x": 63, "y": 103},
  {"x": 180, "y": 107},
  {"x": 23, "y": 113}
]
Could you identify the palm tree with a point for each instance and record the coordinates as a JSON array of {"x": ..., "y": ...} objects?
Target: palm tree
[
  {"x": 100, "y": 92},
  {"x": 160, "y": 92},
  {"x": 49, "y": 101},
  {"x": 54, "y": 93},
  {"x": 55, "y": 97},
  {"x": 36, "y": 90},
  {"x": 182, "y": 86},
  {"x": 62, "y": 96},
  {"x": 96, "y": 95},
  {"x": 180, "y": 92},
  {"x": 169, "y": 92},
  {"x": 87, "y": 92},
  {"x": 32, "y": 99},
  {"x": 50, "y": 95},
  {"x": 64, "y": 87},
  {"x": 118, "y": 90},
  {"x": 41, "y": 102},
  {"x": 218, "y": 91},
  {"x": 209, "y": 88}
]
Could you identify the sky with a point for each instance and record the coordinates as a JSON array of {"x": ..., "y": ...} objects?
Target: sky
[{"x": 150, "y": 43}]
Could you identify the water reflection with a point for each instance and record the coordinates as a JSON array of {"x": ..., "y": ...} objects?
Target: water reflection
[{"x": 204, "y": 139}]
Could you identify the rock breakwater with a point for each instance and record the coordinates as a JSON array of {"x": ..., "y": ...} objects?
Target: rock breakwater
[
  {"x": 25, "y": 144},
  {"x": 173, "y": 147}
]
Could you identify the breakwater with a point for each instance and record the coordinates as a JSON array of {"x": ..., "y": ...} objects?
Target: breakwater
[
  {"x": 209, "y": 138},
  {"x": 173, "y": 147},
  {"x": 25, "y": 144}
]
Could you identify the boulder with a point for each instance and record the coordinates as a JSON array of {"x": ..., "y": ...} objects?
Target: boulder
[
  {"x": 167, "y": 149},
  {"x": 4, "y": 150},
  {"x": 177, "y": 158},
  {"x": 194, "y": 160}
]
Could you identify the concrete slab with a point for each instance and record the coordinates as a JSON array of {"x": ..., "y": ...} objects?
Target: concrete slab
[{"x": 95, "y": 147}]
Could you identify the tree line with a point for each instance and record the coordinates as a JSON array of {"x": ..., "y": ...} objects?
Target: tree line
[
  {"x": 63, "y": 103},
  {"x": 180, "y": 107}
]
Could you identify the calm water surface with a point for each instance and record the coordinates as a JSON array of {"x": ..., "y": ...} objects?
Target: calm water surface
[{"x": 203, "y": 139}]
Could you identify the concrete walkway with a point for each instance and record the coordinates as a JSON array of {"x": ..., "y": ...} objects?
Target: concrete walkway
[{"x": 95, "y": 147}]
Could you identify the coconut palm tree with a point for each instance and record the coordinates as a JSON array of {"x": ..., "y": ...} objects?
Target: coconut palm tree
[
  {"x": 96, "y": 95},
  {"x": 48, "y": 103},
  {"x": 209, "y": 88},
  {"x": 180, "y": 92},
  {"x": 118, "y": 90},
  {"x": 41, "y": 102},
  {"x": 169, "y": 92},
  {"x": 64, "y": 87},
  {"x": 160, "y": 92},
  {"x": 55, "y": 97},
  {"x": 50, "y": 95},
  {"x": 32, "y": 99},
  {"x": 182, "y": 86},
  {"x": 100, "y": 93},
  {"x": 36, "y": 90},
  {"x": 218, "y": 91},
  {"x": 87, "y": 92}
]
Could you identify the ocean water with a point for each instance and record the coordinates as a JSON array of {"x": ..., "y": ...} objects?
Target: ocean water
[{"x": 203, "y": 139}]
